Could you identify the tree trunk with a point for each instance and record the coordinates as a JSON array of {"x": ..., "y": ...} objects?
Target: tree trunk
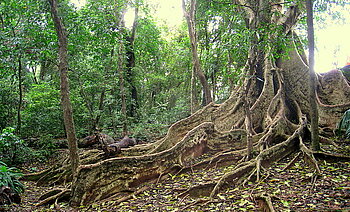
[
  {"x": 194, "y": 102},
  {"x": 214, "y": 81},
  {"x": 65, "y": 99},
  {"x": 190, "y": 16},
  {"x": 127, "y": 80},
  {"x": 100, "y": 109},
  {"x": 20, "y": 88},
  {"x": 315, "y": 143},
  {"x": 122, "y": 91},
  {"x": 130, "y": 65},
  {"x": 20, "y": 100}
]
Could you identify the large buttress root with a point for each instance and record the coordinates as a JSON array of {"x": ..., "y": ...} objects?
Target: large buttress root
[{"x": 101, "y": 180}]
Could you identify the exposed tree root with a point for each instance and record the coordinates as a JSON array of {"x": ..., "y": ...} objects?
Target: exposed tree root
[
  {"x": 198, "y": 201},
  {"x": 102, "y": 179},
  {"x": 268, "y": 156},
  {"x": 60, "y": 173},
  {"x": 332, "y": 157},
  {"x": 265, "y": 202},
  {"x": 218, "y": 160},
  {"x": 292, "y": 162},
  {"x": 54, "y": 195},
  {"x": 309, "y": 157},
  {"x": 246, "y": 169},
  {"x": 325, "y": 140},
  {"x": 313, "y": 181},
  {"x": 130, "y": 196},
  {"x": 202, "y": 190}
]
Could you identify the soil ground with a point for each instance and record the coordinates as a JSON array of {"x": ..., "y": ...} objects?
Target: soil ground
[{"x": 292, "y": 189}]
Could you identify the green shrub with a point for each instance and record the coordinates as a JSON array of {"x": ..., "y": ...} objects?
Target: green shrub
[
  {"x": 10, "y": 177},
  {"x": 42, "y": 114},
  {"x": 13, "y": 150},
  {"x": 8, "y": 103},
  {"x": 344, "y": 125},
  {"x": 45, "y": 147}
]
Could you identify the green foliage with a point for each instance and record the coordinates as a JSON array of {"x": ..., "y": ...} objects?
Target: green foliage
[
  {"x": 344, "y": 125},
  {"x": 8, "y": 103},
  {"x": 13, "y": 150},
  {"x": 224, "y": 41},
  {"x": 9, "y": 177},
  {"x": 42, "y": 115},
  {"x": 45, "y": 147},
  {"x": 156, "y": 120}
]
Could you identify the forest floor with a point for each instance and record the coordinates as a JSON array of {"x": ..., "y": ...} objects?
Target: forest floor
[{"x": 292, "y": 189}]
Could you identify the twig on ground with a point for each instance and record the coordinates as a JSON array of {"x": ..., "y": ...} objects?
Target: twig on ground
[{"x": 292, "y": 162}]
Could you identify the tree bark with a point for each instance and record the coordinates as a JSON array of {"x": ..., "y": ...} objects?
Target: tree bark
[
  {"x": 20, "y": 87},
  {"x": 100, "y": 109},
  {"x": 65, "y": 99},
  {"x": 190, "y": 18},
  {"x": 20, "y": 90},
  {"x": 248, "y": 122},
  {"x": 127, "y": 77},
  {"x": 122, "y": 91},
  {"x": 130, "y": 65},
  {"x": 194, "y": 102},
  {"x": 315, "y": 143}
]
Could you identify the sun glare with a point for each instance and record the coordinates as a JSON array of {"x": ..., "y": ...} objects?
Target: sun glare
[
  {"x": 333, "y": 46},
  {"x": 78, "y": 3},
  {"x": 169, "y": 11}
]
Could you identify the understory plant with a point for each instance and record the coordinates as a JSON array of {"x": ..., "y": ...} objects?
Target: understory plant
[
  {"x": 45, "y": 147},
  {"x": 9, "y": 177},
  {"x": 344, "y": 125},
  {"x": 13, "y": 150}
]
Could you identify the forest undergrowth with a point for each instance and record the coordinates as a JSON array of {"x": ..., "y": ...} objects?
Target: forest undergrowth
[{"x": 296, "y": 188}]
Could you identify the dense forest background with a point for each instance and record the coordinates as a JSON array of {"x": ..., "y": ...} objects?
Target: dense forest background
[{"x": 157, "y": 84}]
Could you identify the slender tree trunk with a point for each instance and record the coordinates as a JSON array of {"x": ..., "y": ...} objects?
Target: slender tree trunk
[
  {"x": 100, "y": 109},
  {"x": 125, "y": 68},
  {"x": 35, "y": 79},
  {"x": 315, "y": 144},
  {"x": 130, "y": 75},
  {"x": 65, "y": 99},
  {"x": 248, "y": 119},
  {"x": 20, "y": 89},
  {"x": 194, "y": 102},
  {"x": 20, "y": 101},
  {"x": 213, "y": 76},
  {"x": 195, "y": 59},
  {"x": 122, "y": 91},
  {"x": 43, "y": 69}
]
